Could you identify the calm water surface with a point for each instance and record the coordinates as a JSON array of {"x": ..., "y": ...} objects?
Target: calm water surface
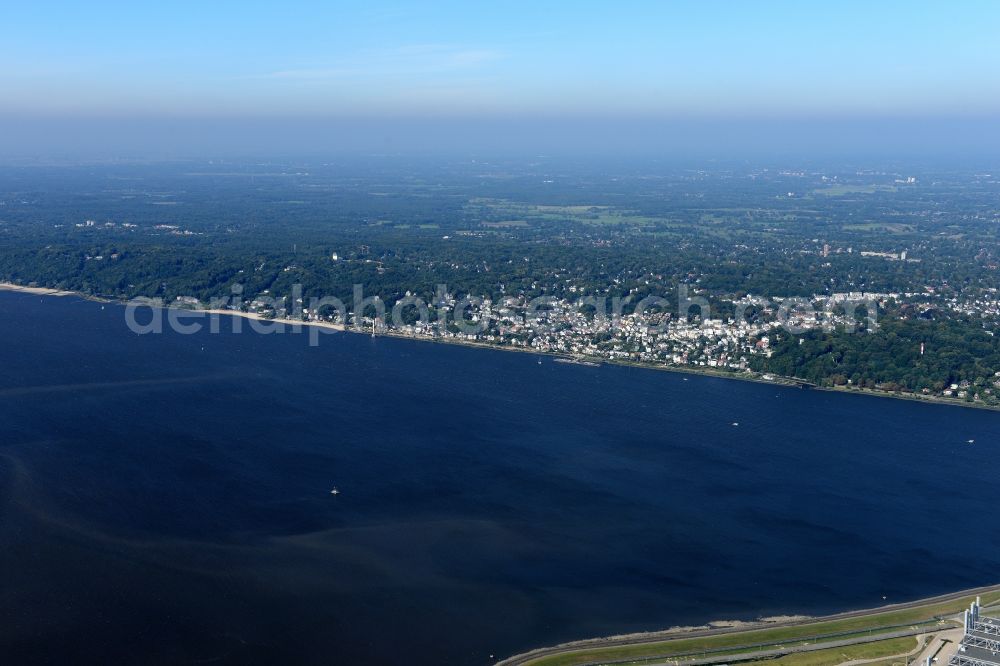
[{"x": 166, "y": 498}]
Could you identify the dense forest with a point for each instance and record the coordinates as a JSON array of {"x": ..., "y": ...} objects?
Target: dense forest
[{"x": 891, "y": 358}]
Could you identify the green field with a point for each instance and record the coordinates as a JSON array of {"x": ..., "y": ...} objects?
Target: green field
[
  {"x": 834, "y": 656},
  {"x": 519, "y": 214},
  {"x": 841, "y": 190},
  {"x": 761, "y": 639},
  {"x": 507, "y": 224},
  {"x": 890, "y": 227}
]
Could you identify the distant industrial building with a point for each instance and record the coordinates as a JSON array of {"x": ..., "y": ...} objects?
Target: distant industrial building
[{"x": 981, "y": 643}]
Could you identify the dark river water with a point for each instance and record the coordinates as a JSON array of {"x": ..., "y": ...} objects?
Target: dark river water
[{"x": 166, "y": 498}]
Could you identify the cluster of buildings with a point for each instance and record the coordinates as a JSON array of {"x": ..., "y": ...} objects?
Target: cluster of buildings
[
  {"x": 560, "y": 326},
  {"x": 980, "y": 644},
  {"x": 891, "y": 256},
  {"x": 984, "y": 306},
  {"x": 663, "y": 335}
]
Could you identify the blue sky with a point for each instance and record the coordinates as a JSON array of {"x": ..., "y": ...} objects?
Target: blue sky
[{"x": 509, "y": 59}]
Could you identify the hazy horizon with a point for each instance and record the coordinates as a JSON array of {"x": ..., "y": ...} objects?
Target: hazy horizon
[
  {"x": 701, "y": 79},
  {"x": 143, "y": 138}
]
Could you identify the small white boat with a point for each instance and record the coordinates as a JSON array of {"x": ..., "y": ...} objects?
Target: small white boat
[
  {"x": 335, "y": 491},
  {"x": 972, "y": 441},
  {"x": 736, "y": 423}
]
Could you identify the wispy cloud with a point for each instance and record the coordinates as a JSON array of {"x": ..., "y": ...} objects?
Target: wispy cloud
[{"x": 425, "y": 59}]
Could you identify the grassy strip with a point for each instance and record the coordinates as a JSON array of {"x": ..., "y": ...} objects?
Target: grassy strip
[
  {"x": 819, "y": 639},
  {"x": 833, "y": 656},
  {"x": 760, "y": 637}
]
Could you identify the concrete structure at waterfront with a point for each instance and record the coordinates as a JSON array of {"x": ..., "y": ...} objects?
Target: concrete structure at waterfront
[{"x": 981, "y": 642}]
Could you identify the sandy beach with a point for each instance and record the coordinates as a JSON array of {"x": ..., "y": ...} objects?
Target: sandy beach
[
  {"x": 46, "y": 291},
  {"x": 41, "y": 291},
  {"x": 256, "y": 317}
]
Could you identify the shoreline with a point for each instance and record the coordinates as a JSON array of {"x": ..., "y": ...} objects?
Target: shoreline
[
  {"x": 39, "y": 291},
  {"x": 722, "y": 628},
  {"x": 778, "y": 380},
  {"x": 253, "y": 316}
]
